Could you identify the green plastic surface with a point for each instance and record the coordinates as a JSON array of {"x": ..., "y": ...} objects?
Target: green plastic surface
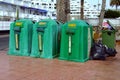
[
  {"x": 108, "y": 38},
  {"x": 76, "y": 41},
  {"x": 20, "y": 37},
  {"x": 45, "y": 41}
]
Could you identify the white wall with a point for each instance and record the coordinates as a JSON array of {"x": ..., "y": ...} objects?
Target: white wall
[
  {"x": 94, "y": 22},
  {"x": 4, "y": 25}
]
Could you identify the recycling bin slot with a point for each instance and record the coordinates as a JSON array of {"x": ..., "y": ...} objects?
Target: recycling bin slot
[
  {"x": 17, "y": 31},
  {"x": 70, "y": 32},
  {"x": 109, "y": 33},
  {"x": 40, "y": 29}
]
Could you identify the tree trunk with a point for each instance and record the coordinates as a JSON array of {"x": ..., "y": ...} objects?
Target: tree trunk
[
  {"x": 102, "y": 14},
  {"x": 82, "y": 10},
  {"x": 63, "y": 10},
  {"x": 116, "y": 7}
]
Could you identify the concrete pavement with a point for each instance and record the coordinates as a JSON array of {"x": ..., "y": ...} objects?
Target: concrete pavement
[{"x": 27, "y": 68}]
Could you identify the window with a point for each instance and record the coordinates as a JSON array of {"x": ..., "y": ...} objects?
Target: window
[
  {"x": 30, "y": 11},
  {"x": 37, "y": 3},
  {"x": 88, "y": 12},
  {"x": 78, "y": 12},
  {"x": 32, "y": 3},
  {"x": 53, "y": 14},
  {"x": 87, "y": 15},
  {"x": 44, "y": 4}
]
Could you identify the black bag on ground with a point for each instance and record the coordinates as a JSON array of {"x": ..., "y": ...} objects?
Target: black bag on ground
[
  {"x": 110, "y": 52},
  {"x": 97, "y": 52}
]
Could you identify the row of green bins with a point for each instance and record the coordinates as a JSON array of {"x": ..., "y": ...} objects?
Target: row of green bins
[
  {"x": 39, "y": 40},
  {"x": 20, "y": 37},
  {"x": 76, "y": 41},
  {"x": 42, "y": 40},
  {"x": 45, "y": 41}
]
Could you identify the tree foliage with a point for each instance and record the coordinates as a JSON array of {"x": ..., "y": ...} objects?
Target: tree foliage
[
  {"x": 112, "y": 14},
  {"x": 115, "y": 3}
]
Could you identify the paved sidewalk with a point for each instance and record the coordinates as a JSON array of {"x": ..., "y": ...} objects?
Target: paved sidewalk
[{"x": 27, "y": 68}]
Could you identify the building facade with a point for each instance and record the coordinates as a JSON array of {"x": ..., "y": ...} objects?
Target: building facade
[
  {"x": 90, "y": 11},
  {"x": 49, "y": 5},
  {"x": 27, "y": 9},
  {"x": 42, "y": 9}
]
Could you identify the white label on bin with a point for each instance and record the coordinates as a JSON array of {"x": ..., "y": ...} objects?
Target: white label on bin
[
  {"x": 89, "y": 41},
  {"x": 16, "y": 40},
  {"x": 69, "y": 44},
  {"x": 40, "y": 42}
]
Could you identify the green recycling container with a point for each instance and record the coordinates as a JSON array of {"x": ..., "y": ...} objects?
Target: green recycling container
[
  {"x": 76, "y": 41},
  {"x": 45, "y": 40},
  {"x": 20, "y": 37},
  {"x": 108, "y": 38}
]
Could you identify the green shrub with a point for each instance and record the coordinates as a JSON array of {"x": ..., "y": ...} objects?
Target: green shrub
[{"x": 112, "y": 14}]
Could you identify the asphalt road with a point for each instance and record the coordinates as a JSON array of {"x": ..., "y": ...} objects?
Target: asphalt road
[{"x": 4, "y": 41}]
